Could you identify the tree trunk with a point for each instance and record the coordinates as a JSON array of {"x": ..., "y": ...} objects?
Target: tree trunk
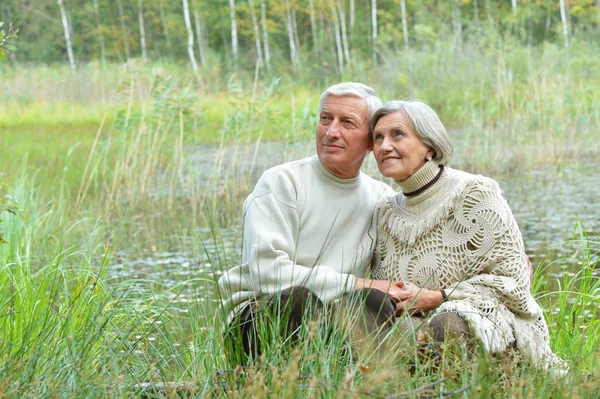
[
  {"x": 259, "y": 52},
  {"x": 65, "y": 23},
  {"x": 313, "y": 27},
  {"x": 563, "y": 19},
  {"x": 374, "y": 29},
  {"x": 234, "y": 37},
  {"x": 163, "y": 21},
  {"x": 190, "y": 32},
  {"x": 476, "y": 12},
  {"x": 290, "y": 29},
  {"x": 338, "y": 41},
  {"x": 263, "y": 20},
  {"x": 404, "y": 24},
  {"x": 351, "y": 14},
  {"x": 201, "y": 44},
  {"x": 488, "y": 12},
  {"x": 457, "y": 24},
  {"x": 142, "y": 30},
  {"x": 513, "y": 4},
  {"x": 124, "y": 29},
  {"x": 343, "y": 31},
  {"x": 100, "y": 33}
]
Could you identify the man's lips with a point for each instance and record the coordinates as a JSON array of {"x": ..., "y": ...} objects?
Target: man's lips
[{"x": 333, "y": 146}]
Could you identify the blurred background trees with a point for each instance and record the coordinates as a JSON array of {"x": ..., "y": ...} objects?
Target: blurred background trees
[{"x": 291, "y": 34}]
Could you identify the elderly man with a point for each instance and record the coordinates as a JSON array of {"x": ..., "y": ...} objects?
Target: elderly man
[{"x": 308, "y": 228}]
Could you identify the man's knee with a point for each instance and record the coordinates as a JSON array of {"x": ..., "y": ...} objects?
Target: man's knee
[
  {"x": 378, "y": 307},
  {"x": 448, "y": 325}
]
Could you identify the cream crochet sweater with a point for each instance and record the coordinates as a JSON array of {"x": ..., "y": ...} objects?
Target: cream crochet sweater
[{"x": 460, "y": 235}]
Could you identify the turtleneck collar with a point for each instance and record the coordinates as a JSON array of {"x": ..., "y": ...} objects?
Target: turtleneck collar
[
  {"x": 421, "y": 177},
  {"x": 326, "y": 175}
]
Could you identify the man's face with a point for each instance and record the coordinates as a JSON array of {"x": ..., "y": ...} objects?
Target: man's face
[{"x": 343, "y": 135}]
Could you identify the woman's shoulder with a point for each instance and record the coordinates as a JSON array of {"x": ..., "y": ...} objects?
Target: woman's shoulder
[{"x": 467, "y": 183}]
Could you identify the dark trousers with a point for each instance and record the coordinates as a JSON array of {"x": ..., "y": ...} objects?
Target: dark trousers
[{"x": 288, "y": 312}]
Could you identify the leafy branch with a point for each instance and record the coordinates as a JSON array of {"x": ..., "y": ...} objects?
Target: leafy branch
[{"x": 4, "y": 37}]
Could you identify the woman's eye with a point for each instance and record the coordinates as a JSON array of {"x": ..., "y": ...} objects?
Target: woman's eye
[
  {"x": 377, "y": 137},
  {"x": 398, "y": 134}
]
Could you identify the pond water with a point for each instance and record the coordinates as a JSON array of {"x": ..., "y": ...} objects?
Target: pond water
[{"x": 547, "y": 203}]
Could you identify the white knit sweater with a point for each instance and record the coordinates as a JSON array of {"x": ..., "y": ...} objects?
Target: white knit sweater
[
  {"x": 460, "y": 235},
  {"x": 304, "y": 226}
]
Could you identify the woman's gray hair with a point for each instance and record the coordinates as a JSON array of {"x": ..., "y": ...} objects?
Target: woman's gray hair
[
  {"x": 355, "y": 89},
  {"x": 427, "y": 125}
]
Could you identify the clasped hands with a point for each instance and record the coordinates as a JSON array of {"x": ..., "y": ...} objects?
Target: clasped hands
[{"x": 410, "y": 300}]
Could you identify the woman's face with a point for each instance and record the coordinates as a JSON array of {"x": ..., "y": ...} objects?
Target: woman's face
[{"x": 397, "y": 148}]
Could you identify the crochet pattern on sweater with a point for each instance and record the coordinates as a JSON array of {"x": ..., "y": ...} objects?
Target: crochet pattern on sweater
[{"x": 460, "y": 236}]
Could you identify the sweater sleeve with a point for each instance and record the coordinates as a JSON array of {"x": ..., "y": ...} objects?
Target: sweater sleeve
[
  {"x": 499, "y": 273},
  {"x": 271, "y": 232}
]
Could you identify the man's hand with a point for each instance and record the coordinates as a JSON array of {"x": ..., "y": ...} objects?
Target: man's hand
[
  {"x": 418, "y": 300},
  {"x": 391, "y": 288}
]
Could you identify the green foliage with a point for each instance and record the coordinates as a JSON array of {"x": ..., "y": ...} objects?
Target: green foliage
[
  {"x": 4, "y": 37},
  {"x": 8, "y": 205}
]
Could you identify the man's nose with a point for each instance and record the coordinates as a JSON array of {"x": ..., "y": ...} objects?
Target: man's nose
[{"x": 334, "y": 130}]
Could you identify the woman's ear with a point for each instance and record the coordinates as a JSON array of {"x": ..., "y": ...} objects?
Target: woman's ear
[{"x": 430, "y": 153}]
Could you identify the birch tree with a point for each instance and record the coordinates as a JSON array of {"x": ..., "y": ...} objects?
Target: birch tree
[
  {"x": 234, "y": 37},
  {"x": 190, "y": 32},
  {"x": 142, "y": 30},
  {"x": 457, "y": 24},
  {"x": 100, "y": 33},
  {"x": 374, "y": 28},
  {"x": 343, "y": 31},
  {"x": 263, "y": 20},
  {"x": 476, "y": 12},
  {"x": 290, "y": 29},
  {"x": 338, "y": 40},
  {"x": 163, "y": 21},
  {"x": 65, "y": 24},
  {"x": 313, "y": 27},
  {"x": 404, "y": 24},
  {"x": 201, "y": 44},
  {"x": 124, "y": 29},
  {"x": 259, "y": 52},
  {"x": 563, "y": 20}
]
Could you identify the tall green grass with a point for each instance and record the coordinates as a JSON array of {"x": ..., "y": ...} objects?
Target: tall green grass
[{"x": 146, "y": 159}]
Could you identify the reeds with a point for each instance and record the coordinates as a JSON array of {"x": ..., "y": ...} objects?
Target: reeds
[{"x": 79, "y": 317}]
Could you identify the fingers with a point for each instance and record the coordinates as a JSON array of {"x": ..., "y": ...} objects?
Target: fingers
[{"x": 399, "y": 284}]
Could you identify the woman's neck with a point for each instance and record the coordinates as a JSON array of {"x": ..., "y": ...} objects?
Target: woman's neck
[{"x": 422, "y": 179}]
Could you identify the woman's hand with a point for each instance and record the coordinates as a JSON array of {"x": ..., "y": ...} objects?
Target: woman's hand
[
  {"x": 391, "y": 288},
  {"x": 418, "y": 300}
]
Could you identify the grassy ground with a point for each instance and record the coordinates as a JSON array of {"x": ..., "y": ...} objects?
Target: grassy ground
[{"x": 108, "y": 163}]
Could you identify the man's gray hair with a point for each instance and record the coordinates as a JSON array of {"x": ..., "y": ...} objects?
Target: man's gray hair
[
  {"x": 427, "y": 125},
  {"x": 355, "y": 89}
]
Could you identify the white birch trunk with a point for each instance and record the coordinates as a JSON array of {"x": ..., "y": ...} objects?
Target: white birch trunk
[
  {"x": 201, "y": 45},
  {"x": 351, "y": 14},
  {"x": 234, "y": 37},
  {"x": 488, "y": 12},
  {"x": 374, "y": 28},
  {"x": 563, "y": 19},
  {"x": 259, "y": 52},
  {"x": 124, "y": 29},
  {"x": 190, "y": 32},
  {"x": 142, "y": 30},
  {"x": 457, "y": 22},
  {"x": 404, "y": 24},
  {"x": 343, "y": 31},
  {"x": 290, "y": 29},
  {"x": 338, "y": 41},
  {"x": 513, "y": 4},
  {"x": 263, "y": 20},
  {"x": 313, "y": 26},
  {"x": 65, "y": 23},
  {"x": 100, "y": 33},
  {"x": 476, "y": 12}
]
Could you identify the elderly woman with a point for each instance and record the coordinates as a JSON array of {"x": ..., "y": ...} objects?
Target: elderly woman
[{"x": 451, "y": 238}]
